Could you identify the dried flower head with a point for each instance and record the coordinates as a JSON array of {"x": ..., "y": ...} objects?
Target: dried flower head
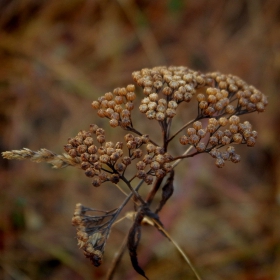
[
  {"x": 92, "y": 231},
  {"x": 216, "y": 129}
]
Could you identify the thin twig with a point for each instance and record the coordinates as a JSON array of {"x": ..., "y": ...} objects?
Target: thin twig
[
  {"x": 178, "y": 248},
  {"x": 183, "y": 127},
  {"x": 117, "y": 259},
  {"x": 179, "y": 159}
]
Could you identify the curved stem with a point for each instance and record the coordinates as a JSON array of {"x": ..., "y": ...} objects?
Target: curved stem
[
  {"x": 178, "y": 248},
  {"x": 117, "y": 259},
  {"x": 184, "y": 155}
]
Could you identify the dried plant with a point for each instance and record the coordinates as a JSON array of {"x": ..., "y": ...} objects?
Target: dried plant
[{"x": 215, "y": 129}]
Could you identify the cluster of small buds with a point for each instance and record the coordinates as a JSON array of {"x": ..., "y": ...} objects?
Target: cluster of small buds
[
  {"x": 231, "y": 95},
  {"x": 95, "y": 156},
  {"x": 166, "y": 87},
  {"x": 92, "y": 232},
  {"x": 219, "y": 133},
  {"x": 116, "y": 106},
  {"x": 155, "y": 163}
]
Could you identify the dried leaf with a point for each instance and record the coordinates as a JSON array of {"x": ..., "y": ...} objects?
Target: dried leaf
[
  {"x": 167, "y": 191},
  {"x": 133, "y": 241}
]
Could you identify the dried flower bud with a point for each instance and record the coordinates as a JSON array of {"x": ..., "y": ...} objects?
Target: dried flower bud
[
  {"x": 231, "y": 150},
  {"x": 200, "y": 147},
  {"x": 200, "y": 97},
  {"x": 93, "y": 158},
  {"x": 170, "y": 112},
  {"x": 95, "y": 105},
  {"x": 141, "y": 174},
  {"x": 129, "y": 106},
  {"x": 137, "y": 153},
  {"x": 110, "y": 151},
  {"x": 191, "y": 131},
  {"x": 109, "y": 96},
  {"x": 155, "y": 165},
  {"x": 104, "y": 158},
  {"x": 100, "y": 131},
  {"x": 85, "y": 165},
  {"x": 145, "y": 138},
  {"x": 149, "y": 179},
  {"x": 159, "y": 150},
  {"x": 160, "y": 173},
  {"x": 184, "y": 140},
  {"x": 230, "y": 109},
  {"x": 150, "y": 148},
  {"x": 131, "y": 145},
  {"x": 220, "y": 162},
  {"x": 113, "y": 123},
  {"x": 201, "y": 133},
  {"x": 120, "y": 167},
  {"x": 153, "y": 96},
  {"x": 81, "y": 149},
  {"x": 160, "y": 158},
  {"x": 223, "y": 121},
  {"x": 72, "y": 153},
  {"x": 225, "y": 140},
  {"x": 85, "y": 157},
  {"x": 151, "y": 114},
  {"x": 130, "y": 88},
  {"x": 114, "y": 178},
  {"x": 90, "y": 172},
  {"x": 234, "y": 120},
  {"x": 126, "y": 161},
  {"x": 147, "y": 159},
  {"x": 211, "y": 128},
  {"x": 68, "y": 147},
  {"x": 160, "y": 116},
  {"x": 213, "y": 140},
  {"x": 235, "y": 158},
  {"x": 197, "y": 125},
  {"x": 167, "y": 91},
  {"x": 233, "y": 128},
  {"x": 203, "y": 105},
  {"x": 100, "y": 139},
  {"x": 96, "y": 182},
  {"x": 143, "y": 108},
  {"x": 251, "y": 141},
  {"x": 225, "y": 155},
  {"x": 194, "y": 139}
]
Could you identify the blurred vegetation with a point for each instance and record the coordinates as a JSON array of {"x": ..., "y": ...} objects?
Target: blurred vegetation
[{"x": 58, "y": 56}]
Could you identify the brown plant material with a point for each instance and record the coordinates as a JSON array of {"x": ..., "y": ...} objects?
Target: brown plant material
[{"x": 220, "y": 101}]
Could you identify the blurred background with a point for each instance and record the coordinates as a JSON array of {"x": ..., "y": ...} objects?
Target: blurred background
[{"x": 56, "y": 57}]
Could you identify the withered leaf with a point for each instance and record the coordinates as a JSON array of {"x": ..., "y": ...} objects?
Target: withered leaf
[
  {"x": 167, "y": 191},
  {"x": 133, "y": 241}
]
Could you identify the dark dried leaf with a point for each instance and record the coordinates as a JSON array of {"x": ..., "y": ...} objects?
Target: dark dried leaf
[
  {"x": 167, "y": 191},
  {"x": 133, "y": 241},
  {"x": 147, "y": 212}
]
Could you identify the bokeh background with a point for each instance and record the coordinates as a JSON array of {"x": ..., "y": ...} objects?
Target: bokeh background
[{"x": 56, "y": 57}]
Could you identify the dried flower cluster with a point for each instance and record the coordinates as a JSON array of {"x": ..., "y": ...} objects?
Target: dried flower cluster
[
  {"x": 116, "y": 106},
  {"x": 220, "y": 101},
  {"x": 92, "y": 231},
  {"x": 220, "y": 133}
]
